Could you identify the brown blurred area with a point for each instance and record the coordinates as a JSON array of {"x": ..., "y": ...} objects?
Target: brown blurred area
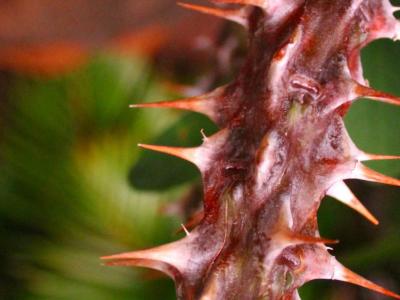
[{"x": 50, "y": 37}]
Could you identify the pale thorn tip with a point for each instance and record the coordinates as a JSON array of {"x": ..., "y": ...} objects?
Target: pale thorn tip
[
  {"x": 185, "y": 229},
  {"x": 203, "y": 135}
]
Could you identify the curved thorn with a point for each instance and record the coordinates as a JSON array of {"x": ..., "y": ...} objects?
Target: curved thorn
[
  {"x": 343, "y": 274},
  {"x": 364, "y": 173},
  {"x": 342, "y": 193},
  {"x": 231, "y": 15}
]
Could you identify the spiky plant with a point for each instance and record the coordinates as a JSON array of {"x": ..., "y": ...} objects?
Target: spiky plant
[{"x": 282, "y": 147}]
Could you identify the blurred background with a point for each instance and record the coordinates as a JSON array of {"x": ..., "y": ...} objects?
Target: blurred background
[{"x": 73, "y": 184}]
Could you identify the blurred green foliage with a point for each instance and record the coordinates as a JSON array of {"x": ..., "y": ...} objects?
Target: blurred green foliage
[
  {"x": 74, "y": 186},
  {"x": 66, "y": 149}
]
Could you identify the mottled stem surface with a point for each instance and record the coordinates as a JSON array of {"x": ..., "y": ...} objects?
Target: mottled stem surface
[{"x": 282, "y": 146}]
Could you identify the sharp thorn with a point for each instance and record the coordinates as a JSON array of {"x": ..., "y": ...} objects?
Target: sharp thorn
[
  {"x": 204, "y": 104},
  {"x": 364, "y": 173},
  {"x": 232, "y": 15},
  {"x": 368, "y": 156},
  {"x": 343, "y": 274},
  {"x": 342, "y": 193},
  {"x": 312, "y": 240},
  {"x": 193, "y": 221},
  {"x": 171, "y": 259},
  {"x": 188, "y": 154},
  {"x": 185, "y": 229},
  {"x": 258, "y": 3},
  {"x": 193, "y": 104},
  {"x": 287, "y": 237},
  {"x": 203, "y": 135},
  {"x": 367, "y": 92},
  {"x": 199, "y": 156},
  {"x": 200, "y": 104}
]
